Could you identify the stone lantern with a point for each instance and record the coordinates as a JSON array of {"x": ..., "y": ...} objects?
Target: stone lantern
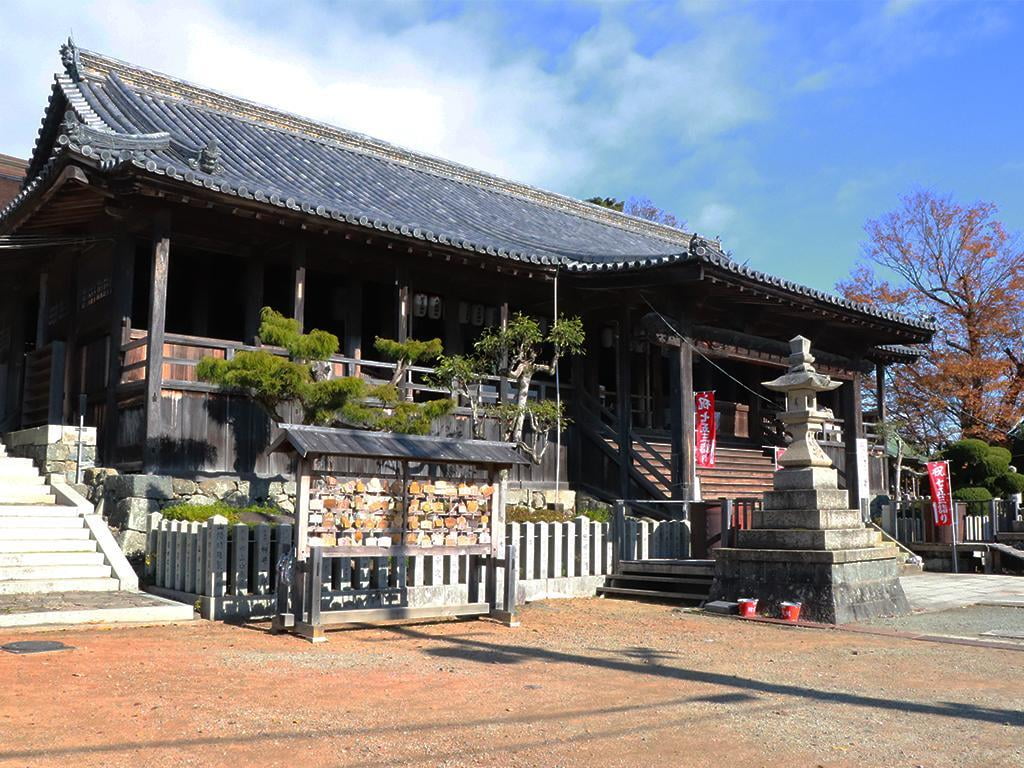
[{"x": 806, "y": 544}]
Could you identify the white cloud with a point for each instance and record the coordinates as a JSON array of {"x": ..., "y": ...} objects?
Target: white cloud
[
  {"x": 603, "y": 117},
  {"x": 714, "y": 219}
]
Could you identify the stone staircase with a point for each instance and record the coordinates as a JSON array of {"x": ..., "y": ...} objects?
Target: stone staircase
[{"x": 45, "y": 546}]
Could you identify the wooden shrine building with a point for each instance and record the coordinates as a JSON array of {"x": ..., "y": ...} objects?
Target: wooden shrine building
[{"x": 157, "y": 217}]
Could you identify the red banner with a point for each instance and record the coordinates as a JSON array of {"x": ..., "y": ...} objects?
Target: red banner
[
  {"x": 704, "y": 428},
  {"x": 942, "y": 492}
]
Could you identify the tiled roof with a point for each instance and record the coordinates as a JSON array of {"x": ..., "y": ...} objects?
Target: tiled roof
[{"x": 120, "y": 115}]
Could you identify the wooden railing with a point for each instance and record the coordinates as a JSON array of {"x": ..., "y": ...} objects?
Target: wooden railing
[{"x": 182, "y": 354}]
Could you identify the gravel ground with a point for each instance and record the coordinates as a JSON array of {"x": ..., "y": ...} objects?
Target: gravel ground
[
  {"x": 970, "y": 621},
  {"x": 581, "y": 683}
]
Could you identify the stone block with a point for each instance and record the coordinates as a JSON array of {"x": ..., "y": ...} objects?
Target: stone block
[
  {"x": 97, "y": 475},
  {"x": 290, "y": 488},
  {"x": 812, "y": 498},
  {"x": 58, "y": 452},
  {"x": 843, "y": 538},
  {"x": 832, "y": 593},
  {"x": 141, "y": 486},
  {"x": 815, "y": 519},
  {"x": 806, "y": 478},
  {"x": 217, "y": 487},
  {"x": 183, "y": 487},
  {"x": 244, "y": 487},
  {"x": 132, "y": 513},
  {"x": 131, "y": 542},
  {"x": 199, "y": 500}
]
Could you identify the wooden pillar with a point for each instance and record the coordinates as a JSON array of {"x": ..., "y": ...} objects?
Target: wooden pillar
[
  {"x": 403, "y": 303},
  {"x": 44, "y": 281},
  {"x": 354, "y": 319},
  {"x": 72, "y": 377},
  {"x": 880, "y": 390},
  {"x": 684, "y": 468},
  {"x": 299, "y": 268},
  {"x": 503, "y": 385},
  {"x": 853, "y": 428},
  {"x": 623, "y": 388},
  {"x": 254, "y": 272},
  {"x": 122, "y": 281},
  {"x": 452, "y": 329},
  {"x": 155, "y": 341}
]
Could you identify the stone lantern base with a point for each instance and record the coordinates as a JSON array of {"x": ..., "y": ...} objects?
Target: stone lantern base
[{"x": 807, "y": 546}]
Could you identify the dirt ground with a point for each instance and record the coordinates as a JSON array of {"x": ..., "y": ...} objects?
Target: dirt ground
[{"x": 580, "y": 683}]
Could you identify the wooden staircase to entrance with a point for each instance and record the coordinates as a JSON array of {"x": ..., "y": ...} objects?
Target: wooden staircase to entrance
[
  {"x": 681, "y": 580},
  {"x": 738, "y": 472}
]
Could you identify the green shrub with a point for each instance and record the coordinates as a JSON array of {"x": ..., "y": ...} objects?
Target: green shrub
[
  {"x": 972, "y": 493},
  {"x": 524, "y": 514},
  {"x": 1009, "y": 483},
  {"x": 597, "y": 514},
  {"x": 200, "y": 513},
  {"x": 997, "y": 462}
]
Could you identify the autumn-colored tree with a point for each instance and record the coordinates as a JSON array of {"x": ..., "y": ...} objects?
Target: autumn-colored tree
[
  {"x": 933, "y": 258},
  {"x": 642, "y": 208}
]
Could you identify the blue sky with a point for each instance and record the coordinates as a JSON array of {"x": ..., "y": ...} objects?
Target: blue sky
[{"x": 779, "y": 126}]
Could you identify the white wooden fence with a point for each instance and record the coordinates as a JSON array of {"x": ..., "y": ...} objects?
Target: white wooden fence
[{"x": 230, "y": 571}]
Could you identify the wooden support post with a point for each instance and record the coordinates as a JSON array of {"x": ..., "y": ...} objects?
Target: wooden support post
[
  {"x": 853, "y": 428},
  {"x": 254, "y": 271},
  {"x": 155, "y": 342},
  {"x": 41, "y": 315},
  {"x": 624, "y": 403},
  {"x": 725, "y": 538},
  {"x": 684, "y": 469},
  {"x": 403, "y": 291},
  {"x": 299, "y": 268},
  {"x": 618, "y": 532},
  {"x": 880, "y": 390},
  {"x": 121, "y": 284},
  {"x": 503, "y": 385},
  {"x": 354, "y": 321},
  {"x": 452, "y": 329}
]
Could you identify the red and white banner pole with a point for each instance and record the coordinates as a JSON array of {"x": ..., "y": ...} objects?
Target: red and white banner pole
[
  {"x": 704, "y": 428},
  {"x": 943, "y": 507}
]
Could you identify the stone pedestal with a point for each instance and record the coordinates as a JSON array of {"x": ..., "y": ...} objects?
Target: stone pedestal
[{"x": 806, "y": 544}]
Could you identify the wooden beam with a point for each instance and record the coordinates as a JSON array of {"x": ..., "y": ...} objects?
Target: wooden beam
[
  {"x": 623, "y": 388},
  {"x": 299, "y": 268},
  {"x": 254, "y": 269},
  {"x": 880, "y": 390},
  {"x": 403, "y": 292},
  {"x": 684, "y": 470},
  {"x": 354, "y": 320},
  {"x": 122, "y": 274},
  {"x": 44, "y": 281},
  {"x": 161, "y": 252}
]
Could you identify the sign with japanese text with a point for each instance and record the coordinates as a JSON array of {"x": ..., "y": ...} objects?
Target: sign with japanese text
[
  {"x": 704, "y": 428},
  {"x": 942, "y": 492}
]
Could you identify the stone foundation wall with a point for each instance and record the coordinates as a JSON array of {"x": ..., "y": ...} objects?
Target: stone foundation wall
[
  {"x": 540, "y": 498},
  {"x": 126, "y": 501},
  {"x": 53, "y": 448}
]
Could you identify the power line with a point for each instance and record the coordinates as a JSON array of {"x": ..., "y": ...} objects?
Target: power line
[{"x": 707, "y": 359}]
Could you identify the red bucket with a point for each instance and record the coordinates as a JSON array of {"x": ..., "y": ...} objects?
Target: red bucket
[
  {"x": 791, "y": 611},
  {"x": 748, "y": 607}
]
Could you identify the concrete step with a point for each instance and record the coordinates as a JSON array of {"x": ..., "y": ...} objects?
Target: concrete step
[
  {"x": 98, "y": 608},
  {"x": 21, "y": 480},
  {"x": 15, "y": 466},
  {"x": 35, "y": 559},
  {"x": 656, "y": 594},
  {"x": 11, "y": 494},
  {"x": 34, "y": 510},
  {"x": 39, "y": 520},
  {"x": 54, "y": 572},
  {"x": 27, "y": 586},
  {"x": 78, "y": 543}
]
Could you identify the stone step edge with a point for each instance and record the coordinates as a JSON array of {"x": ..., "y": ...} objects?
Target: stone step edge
[{"x": 167, "y": 612}]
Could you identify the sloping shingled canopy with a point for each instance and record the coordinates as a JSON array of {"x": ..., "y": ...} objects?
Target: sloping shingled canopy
[
  {"x": 120, "y": 116},
  {"x": 311, "y": 442}
]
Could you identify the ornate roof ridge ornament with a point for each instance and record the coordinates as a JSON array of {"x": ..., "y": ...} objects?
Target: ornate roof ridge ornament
[
  {"x": 69, "y": 58},
  {"x": 208, "y": 160},
  {"x": 801, "y": 385}
]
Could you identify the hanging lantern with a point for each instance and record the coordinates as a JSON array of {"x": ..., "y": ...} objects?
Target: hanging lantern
[
  {"x": 419, "y": 305},
  {"x": 477, "y": 314},
  {"x": 607, "y": 337},
  {"x": 435, "y": 307},
  {"x": 464, "y": 312}
]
